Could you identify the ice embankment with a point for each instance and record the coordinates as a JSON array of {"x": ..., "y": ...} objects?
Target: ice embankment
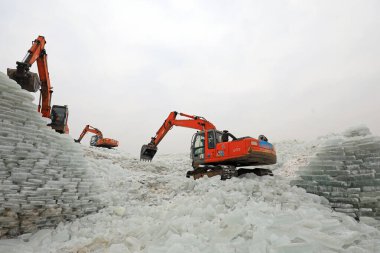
[
  {"x": 43, "y": 176},
  {"x": 153, "y": 207},
  {"x": 346, "y": 170},
  {"x": 291, "y": 155}
]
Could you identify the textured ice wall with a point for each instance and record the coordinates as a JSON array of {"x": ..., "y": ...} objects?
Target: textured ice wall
[
  {"x": 42, "y": 174},
  {"x": 346, "y": 170}
]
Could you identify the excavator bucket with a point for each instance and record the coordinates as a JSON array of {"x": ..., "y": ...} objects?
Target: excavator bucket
[
  {"x": 148, "y": 152},
  {"x": 28, "y": 81}
]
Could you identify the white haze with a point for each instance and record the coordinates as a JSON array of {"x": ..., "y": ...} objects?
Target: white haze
[{"x": 286, "y": 69}]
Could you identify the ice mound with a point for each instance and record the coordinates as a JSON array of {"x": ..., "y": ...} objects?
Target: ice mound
[
  {"x": 357, "y": 131},
  {"x": 346, "y": 170},
  {"x": 43, "y": 176},
  {"x": 153, "y": 207}
]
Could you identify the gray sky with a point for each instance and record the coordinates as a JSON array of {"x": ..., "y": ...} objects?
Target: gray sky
[{"x": 286, "y": 69}]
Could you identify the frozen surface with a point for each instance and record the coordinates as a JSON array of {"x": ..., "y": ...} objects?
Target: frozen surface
[
  {"x": 153, "y": 207},
  {"x": 346, "y": 170},
  {"x": 43, "y": 176},
  {"x": 291, "y": 155}
]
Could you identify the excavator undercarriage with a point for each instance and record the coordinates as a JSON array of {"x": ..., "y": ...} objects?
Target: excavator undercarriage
[{"x": 225, "y": 172}]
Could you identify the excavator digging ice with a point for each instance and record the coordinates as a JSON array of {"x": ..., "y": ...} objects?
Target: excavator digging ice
[
  {"x": 32, "y": 82},
  {"x": 215, "y": 152},
  {"x": 97, "y": 140}
]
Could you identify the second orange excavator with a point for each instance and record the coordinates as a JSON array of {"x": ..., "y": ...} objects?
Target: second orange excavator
[
  {"x": 97, "y": 140},
  {"x": 216, "y": 152}
]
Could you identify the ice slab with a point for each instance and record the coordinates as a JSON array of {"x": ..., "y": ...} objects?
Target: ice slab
[{"x": 36, "y": 163}]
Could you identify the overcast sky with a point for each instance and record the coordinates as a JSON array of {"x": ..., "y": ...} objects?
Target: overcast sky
[{"x": 285, "y": 69}]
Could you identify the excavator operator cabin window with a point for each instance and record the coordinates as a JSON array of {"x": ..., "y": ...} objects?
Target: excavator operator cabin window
[
  {"x": 211, "y": 139},
  {"x": 199, "y": 144},
  {"x": 94, "y": 140},
  {"x": 218, "y": 137},
  {"x": 58, "y": 116}
]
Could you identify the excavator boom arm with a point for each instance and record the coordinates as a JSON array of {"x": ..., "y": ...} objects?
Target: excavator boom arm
[
  {"x": 35, "y": 51},
  {"x": 90, "y": 129},
  {"x": 194, "y": 122},
  {"x": 46, "y": 90},
  {"x": 148, "y": 151},
  {"x": 30, "y": 81}
]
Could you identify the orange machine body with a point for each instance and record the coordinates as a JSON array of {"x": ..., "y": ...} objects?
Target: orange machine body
[
  {"x": 217, "y": 150},
  {"x": 97, "y": 140},
  {"x": 247, "y": 151}
]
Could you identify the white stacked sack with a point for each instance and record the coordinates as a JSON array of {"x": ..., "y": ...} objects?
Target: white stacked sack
[{"x": 43, "y": 175}]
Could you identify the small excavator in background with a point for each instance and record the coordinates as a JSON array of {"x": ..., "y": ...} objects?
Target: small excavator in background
[
  {"x": 97, "y": 140},
  {"x": 32, "y": 82},
  {"x": 216, "y": 152}
]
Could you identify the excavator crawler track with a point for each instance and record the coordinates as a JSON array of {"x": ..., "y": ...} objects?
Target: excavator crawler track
[{"x": 225, "y": 172}]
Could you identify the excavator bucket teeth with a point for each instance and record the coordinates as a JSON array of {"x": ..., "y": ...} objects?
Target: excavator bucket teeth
[
  {"x": 148, "y": 152},
  {"x": 28, "y": 81}
]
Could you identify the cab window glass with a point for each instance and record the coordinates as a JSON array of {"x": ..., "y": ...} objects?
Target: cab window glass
[
  {"x": 58, "y": 115},
  {"x": 94, "y": 140},
  {"x": 211, "y": 139},
  {"x": 218, "y": 137},
  {"x": 199, "y": 144}
]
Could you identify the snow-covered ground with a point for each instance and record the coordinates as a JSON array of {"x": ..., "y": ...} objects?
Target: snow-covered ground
[{"x": 153, "y": 207}]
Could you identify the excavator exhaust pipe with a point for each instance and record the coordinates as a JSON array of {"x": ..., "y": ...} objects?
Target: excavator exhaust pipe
[
  {"x": 148, "y": 152},
  {"x": 27, "y": 80}
]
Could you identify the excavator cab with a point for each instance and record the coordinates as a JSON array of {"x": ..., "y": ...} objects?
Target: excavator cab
[
  {"x": 198, "y": 147},
  {"x": 59, "y": 115},
  {"x": 197, "y": 153},
  {"x": 94, "y": 140}
]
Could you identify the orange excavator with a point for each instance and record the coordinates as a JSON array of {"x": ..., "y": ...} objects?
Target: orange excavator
[
  {"x": 215, "y": 152},
  {"x": 97, "y": 140},
  {"x": 32, "y": 82}
]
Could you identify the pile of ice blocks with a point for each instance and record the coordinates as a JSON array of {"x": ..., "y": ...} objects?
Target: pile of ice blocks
[
  {"x": 346, "y": 170},
  {"x": 43, "y": 175}
]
